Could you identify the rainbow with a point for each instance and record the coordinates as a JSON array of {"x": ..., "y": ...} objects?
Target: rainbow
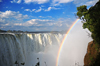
[{"x": 62, "y": 43}]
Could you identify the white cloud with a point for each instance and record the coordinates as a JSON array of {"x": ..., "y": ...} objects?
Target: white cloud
[
  {"x": 33, "y": 9},
  {"x": 11, "y": 1},
  {"x": 91, "y": 2},
  {"x": 11, "y": 14},
  {"x": 36, "y": 1},
  {"x": 58, "y": 2},
  {"x": 30, "y": 22},
  {"x": 6, "y": 14},
  {"x": 38, "y": 10},
  {"x": 7, "y": 24},
  {"x": 77, "y": 2},
  {"x": 22, "y": 7},
  {"x": 27, "y": 10},
  {"x": 85, "y": 2},
  {"x": 11, "y": 20},
  {"x": 45, "y": 22},
  {"x": 0, "y": 0},
  {"x": 62, "y": 1},
  {"x": 46, "y": 17},
  {"x": 19, "y": 1},
  {"x": 38, "y": 22},
  {"x": 25, "y": 16},
  {"x": 19, "y": 24},
  {"x": 30, "y": 10},
  {"x": 2, "y": 20},
  {"x": 55, "y": 4},
  {"x": 49, "y": 8},
  {"x": 16, "y": 1},
  {"x": 17, "y": 21},
  {"x": 35, "y": 22},
  {"x": 55, "y": 8},
  {"x": 41, "y": 17}
]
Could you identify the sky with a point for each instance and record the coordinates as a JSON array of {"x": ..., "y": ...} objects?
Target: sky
[{"x": 39, "y": 15}]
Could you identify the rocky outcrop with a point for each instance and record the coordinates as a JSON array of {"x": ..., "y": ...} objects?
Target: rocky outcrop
[{"x": 93, "y": 54}]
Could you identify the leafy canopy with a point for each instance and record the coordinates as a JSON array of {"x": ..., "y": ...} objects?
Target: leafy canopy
[{"x": 91, "y": 19}]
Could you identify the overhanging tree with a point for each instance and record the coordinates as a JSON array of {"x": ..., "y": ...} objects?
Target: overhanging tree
[{"x": 91, "y": 19}]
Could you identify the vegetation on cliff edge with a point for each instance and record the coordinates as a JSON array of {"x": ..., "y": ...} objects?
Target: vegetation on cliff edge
[{"x": 91, "y": 20}]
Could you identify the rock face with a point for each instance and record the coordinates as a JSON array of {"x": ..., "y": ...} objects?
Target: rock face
[{"x": 92, "y": 55}]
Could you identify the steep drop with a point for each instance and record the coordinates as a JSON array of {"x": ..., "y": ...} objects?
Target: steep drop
[{"x": 17, "y": 47}]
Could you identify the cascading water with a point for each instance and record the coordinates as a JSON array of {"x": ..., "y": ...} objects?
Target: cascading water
[{"x": 18, "y": 47}]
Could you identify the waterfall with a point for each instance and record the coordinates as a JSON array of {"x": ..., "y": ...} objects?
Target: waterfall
[{"x": 16, "y": 47}]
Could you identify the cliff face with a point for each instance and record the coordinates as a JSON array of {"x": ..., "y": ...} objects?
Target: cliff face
[
  {"x": 18, "y": 47},
  {"x": 92, "y": 57}
]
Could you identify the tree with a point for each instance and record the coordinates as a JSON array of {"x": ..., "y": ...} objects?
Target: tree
[{"x": 91, "y": 19}]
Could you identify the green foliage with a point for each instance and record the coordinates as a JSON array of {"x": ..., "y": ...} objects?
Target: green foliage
[
  {"x": 91, "y": 58},
  {"x": 91, "y": 19},
  {"x": 81, "y": 10},
  {"x": 97, "y": 47}
]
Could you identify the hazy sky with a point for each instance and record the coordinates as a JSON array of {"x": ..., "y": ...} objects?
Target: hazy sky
[{"x": 39, "y": 15}]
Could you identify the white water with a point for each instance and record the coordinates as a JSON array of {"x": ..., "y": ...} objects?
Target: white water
[
  {"x": 75, "y": 47},
  {"x": 28, "y": 47}
]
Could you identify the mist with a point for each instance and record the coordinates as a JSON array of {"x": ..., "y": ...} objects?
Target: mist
[
  {"x": 75, "y": 46},
  {"x": 46, "y": 58},
  {"x": 73, "y": 50}
]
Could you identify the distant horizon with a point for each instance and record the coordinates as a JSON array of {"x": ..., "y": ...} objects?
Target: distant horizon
[
  {"x": 34, "y": 31},
  {"x": 13, "y": 31}
]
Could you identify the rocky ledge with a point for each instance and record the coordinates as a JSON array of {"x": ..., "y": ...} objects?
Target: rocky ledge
[{"x": 92, "y": 57}]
